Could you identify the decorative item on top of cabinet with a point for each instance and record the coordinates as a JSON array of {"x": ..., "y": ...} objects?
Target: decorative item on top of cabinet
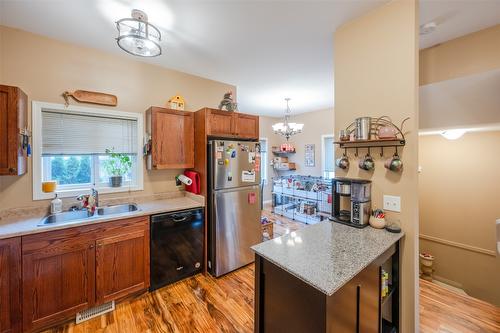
[
  {"x": 10, "y": 285},
  {"x": 172, "y": 138},
  {"x": 176, "y": 103},
  {"x": 14, "y": 135},
  {"x": 227, "y": 102},
  {"x": 91, "y": 97}
]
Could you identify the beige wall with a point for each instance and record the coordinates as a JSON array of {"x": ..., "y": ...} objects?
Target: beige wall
[
  {"x": 316, "y": 124},
  {"x": 458, "y": 198},
  {"x": 376, "y": 73},
  {"x": 44, "y": 68},
  {"x": 474, "y": 53}
]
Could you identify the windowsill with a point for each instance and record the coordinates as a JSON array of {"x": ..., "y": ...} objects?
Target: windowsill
[{"x": 74, "y": 192}]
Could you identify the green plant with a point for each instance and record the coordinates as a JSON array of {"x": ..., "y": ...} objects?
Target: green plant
[{"x": 117, "y": 164}]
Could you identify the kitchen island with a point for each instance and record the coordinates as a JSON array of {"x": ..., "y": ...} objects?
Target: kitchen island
[{"x": 327, "y": 278}]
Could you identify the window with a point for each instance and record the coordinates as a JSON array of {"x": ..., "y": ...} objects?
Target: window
[
  {"x": 263, "y": 160},
  {"x": 328, "y": 163},
  {"x": 70, "y": 147}
]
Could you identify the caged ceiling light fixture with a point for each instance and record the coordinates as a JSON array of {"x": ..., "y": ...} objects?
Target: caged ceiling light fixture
[
  {"x": 286, "y": 128},
  {"x": 137, "y": 36}
]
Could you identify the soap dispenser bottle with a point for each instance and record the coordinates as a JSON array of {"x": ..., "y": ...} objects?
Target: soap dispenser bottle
[{"x": 56, "y": 205}]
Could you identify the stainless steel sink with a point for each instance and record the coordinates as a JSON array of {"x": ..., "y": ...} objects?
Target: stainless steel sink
[
  {"x": 70, "y": 216},
  {"x": 66, "y": 217},
  {"x": 118, "y": 209}
]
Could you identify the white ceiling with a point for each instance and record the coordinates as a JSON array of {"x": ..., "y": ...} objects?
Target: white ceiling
[
  {"x": 457, "y": 18},
  {"x": 463, "y": 102},
  {"x": 268, "y": 49}
]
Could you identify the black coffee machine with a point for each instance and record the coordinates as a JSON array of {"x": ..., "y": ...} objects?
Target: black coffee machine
[{"x": 351, "y": 201}]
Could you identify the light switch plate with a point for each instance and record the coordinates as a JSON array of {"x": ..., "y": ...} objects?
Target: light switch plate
[{"x": 392, "y": 203}]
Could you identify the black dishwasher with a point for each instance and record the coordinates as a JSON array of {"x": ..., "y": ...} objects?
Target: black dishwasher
[{"x": 176, "y": 246}]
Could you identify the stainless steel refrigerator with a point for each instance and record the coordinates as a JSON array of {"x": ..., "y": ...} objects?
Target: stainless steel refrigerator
[{"x": 234, "y": 204}]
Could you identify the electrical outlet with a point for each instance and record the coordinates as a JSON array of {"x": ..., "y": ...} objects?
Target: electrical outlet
[{"x": 392, "y": 203}]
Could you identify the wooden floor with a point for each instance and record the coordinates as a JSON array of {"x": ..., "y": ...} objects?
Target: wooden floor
[
  {"x": 443, "y": 310},
  {"x": 205, "y": 304}
]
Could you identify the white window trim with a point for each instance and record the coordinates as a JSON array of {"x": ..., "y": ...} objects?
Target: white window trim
[
  {"x": 36, "y": 113},
  {"x": 266, "y": 181},
  {"x": 323, "y": 159}
]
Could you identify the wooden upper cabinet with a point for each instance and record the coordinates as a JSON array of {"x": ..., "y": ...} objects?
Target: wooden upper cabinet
[
  {"x": 10, "y": 285},
  {"x": 13, "y": 119},
  {"x": 122, "y": 264},
  {"x": 246, "y": 126},
  {"x": 231, "y": 124},
  {"x": 172, "y": 138},
  {"x": 220, "y": 123}
]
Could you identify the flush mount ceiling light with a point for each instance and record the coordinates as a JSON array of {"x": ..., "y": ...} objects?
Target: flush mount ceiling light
[
  {"x": 286, "y": 128},
  {"x": 138, "y": 37},
  {"x": 453, "y": 134},
  {"x": 428, "y": 28}
]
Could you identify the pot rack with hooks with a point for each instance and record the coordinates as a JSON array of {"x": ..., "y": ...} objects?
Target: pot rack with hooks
[
  {"x": 356, "y": 152},
  {"x": 376, "y": 123}
]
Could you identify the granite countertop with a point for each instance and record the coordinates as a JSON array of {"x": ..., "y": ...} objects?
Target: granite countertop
[
  {"x": 327, "y": 255},
  {"x": 29, "y": 225}
]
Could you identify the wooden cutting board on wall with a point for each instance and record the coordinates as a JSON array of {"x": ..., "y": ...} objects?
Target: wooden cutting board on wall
[{"x": 92, "y": 97}]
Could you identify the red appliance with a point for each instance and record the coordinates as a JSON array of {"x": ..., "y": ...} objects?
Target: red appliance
[{"x": 195, "y": 177}]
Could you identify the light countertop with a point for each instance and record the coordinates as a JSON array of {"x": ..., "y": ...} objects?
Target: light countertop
[
  {"x": 30, "y": 224},
  {"x": 327, "y": 255}
]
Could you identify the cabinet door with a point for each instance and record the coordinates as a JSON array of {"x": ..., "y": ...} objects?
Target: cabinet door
[
  {"x": 13, "y": 114},
  {"x": 220, "y": 123},
  {"x": 122, "y": 265},
  {"x": 369, "y": 299},
  {"x": 172, "y": 134},
  {"x": 58, "y": 280},
  {"x": 10, "y": 278},
  {"x": 247, "y": 126}
]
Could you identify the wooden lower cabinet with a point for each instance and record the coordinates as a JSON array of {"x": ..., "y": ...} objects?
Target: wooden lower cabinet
[
  {"x": 122, "y": 265},
  {"x": 10, "y": 280},
  {"x": 58, "y": 282},
  {"x": 71, "y": 270}
]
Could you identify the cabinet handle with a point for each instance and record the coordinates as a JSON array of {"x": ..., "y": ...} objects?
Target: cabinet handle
[
  {"x": 12, "y": 170},
  {"x": 91, "y": 246},
  {"x": 99, "y": 244}
]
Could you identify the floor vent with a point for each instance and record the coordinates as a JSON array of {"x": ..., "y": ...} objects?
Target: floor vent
[{"x": 95, "y": 312}]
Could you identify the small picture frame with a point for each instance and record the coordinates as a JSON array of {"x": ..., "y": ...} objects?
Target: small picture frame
[{"x": 309, "y": 155}]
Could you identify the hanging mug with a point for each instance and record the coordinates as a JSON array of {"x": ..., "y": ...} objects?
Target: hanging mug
[
  {"x": 367, "y": 163},
  {"x": 343, "y": 162},
  {"x": 394, "y": 163}
]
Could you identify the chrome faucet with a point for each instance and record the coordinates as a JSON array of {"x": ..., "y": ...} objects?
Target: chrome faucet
[{"x": 89, "y": 201}]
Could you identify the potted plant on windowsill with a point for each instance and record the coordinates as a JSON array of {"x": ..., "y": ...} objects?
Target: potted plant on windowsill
[{"x": 116, "y": 166}]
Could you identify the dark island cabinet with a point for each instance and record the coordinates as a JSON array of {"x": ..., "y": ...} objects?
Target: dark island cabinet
[{"x": 285, "y": 303}]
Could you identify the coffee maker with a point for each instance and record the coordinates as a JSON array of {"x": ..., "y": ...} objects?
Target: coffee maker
[{"x": 351, "y": 201}]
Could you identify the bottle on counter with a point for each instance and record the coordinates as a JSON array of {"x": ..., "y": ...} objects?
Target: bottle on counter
[{"x": 56, "y": 205}]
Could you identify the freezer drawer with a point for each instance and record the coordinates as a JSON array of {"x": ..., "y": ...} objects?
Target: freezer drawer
[{"x": 235, "y": 227}]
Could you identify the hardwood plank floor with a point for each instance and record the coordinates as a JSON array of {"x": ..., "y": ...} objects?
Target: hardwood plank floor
[
  {"x": 445, "y": 311},
  {"x": 205, "y": 304}
]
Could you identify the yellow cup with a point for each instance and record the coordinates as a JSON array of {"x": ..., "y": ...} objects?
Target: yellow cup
[{"x": 49, "y": 186}]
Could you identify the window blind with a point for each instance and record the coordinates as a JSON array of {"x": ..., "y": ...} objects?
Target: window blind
[
  {"x": 79, "y": 134},
  {"x": 329, "y": 161}
]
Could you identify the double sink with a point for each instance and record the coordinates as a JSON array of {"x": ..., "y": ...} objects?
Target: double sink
[{"x": 71, "y": 216}]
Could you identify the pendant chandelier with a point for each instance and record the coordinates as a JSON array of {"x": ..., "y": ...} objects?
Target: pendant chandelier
[
  {"x": 286, "y": 128},
  {"x": 138, "y": 37}
]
